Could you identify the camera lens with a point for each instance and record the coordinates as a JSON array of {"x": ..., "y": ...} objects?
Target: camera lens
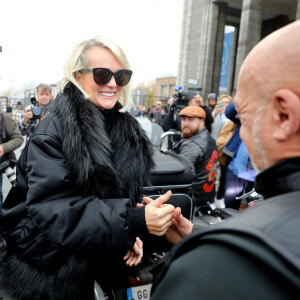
[{"x": 36, "y": 111}]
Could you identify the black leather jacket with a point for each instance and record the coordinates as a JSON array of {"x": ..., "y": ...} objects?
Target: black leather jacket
[
  {"x": 201, "y": 150},
  {"x": 263, "y": 240}
]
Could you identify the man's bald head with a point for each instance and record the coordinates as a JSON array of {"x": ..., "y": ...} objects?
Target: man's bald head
[
  {"x": 268, "y": 97},
  {"x": 275, "y": 62}
]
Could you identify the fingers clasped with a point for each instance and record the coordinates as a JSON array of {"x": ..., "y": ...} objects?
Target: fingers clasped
[{"x": 158, "y": 215}]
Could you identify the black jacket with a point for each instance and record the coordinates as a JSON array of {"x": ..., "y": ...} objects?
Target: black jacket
[
  {"x": 73, "y": 208},
  {"x": 254, "y": 255},
  {"x": 201, "y": 151}
]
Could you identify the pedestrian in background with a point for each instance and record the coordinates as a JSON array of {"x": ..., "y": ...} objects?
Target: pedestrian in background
[
  {"x": 200, "y": 149},
  {"x": 218, "y": 113},
  {"x": 10, "y": 140},
  {"x": 211, "y": 100},
  {"x": 156, "y": 115},
  {"x": 28, "y": 121}
]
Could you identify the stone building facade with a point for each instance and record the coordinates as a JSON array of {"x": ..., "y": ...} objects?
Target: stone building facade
[{"x": 202, "y": 37}]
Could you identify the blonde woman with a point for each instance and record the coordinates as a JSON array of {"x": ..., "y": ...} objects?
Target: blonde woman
[
  {"x": 72, "y": 218},
  {"x": 219, "y": 115}
]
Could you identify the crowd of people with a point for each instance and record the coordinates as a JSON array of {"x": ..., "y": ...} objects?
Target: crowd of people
[
  {"x": 75, "y": 217},
  {"x": 231, "y": 167}
]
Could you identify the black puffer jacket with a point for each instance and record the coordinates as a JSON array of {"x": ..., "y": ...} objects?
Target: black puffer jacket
[{"x": 78, "y": 182}]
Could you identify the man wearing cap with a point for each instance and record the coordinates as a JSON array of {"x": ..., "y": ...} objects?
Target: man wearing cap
[
  {"x": 212, "y": 100},
  {"x": 200, "y": 148}
]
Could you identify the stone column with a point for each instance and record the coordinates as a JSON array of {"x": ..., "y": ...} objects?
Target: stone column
[
  {"x": 250, "y": 31},
  {"x": 232, "y": 63},
  {"x": 184, "y": 43},
  {"x": 207, "y": 46},
  {"x": 298, "y": 11},
  {"x": 219, "y": 47}
]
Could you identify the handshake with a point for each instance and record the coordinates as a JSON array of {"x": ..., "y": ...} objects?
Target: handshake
[
  {"x": 161, "y": 220},
  {"x": 166, "y": 220}
]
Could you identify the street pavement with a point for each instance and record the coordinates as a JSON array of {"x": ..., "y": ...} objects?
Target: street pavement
[{"x": 6, "y": 184}]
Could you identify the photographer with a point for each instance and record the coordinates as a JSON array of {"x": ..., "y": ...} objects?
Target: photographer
[
  {"x": 179, "y": 101},
  {"x": 30, "y": 118},
  {"x": 10, "y": 140}
]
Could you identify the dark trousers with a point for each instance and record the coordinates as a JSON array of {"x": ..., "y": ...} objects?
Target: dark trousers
[
  {"x": 1, "y": 195},
  {"x": 221, "y": 188},
  {"x": 235, "y": 187}
]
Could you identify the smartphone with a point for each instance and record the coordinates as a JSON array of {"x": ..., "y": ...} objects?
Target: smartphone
[{"x": 220, "y": 104}]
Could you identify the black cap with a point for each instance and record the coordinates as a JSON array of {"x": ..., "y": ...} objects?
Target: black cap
[{"x": 190, "y": 95}]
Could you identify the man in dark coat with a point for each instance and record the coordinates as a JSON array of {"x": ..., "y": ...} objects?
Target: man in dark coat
[
  {"x": 10, "y": 140},
  {"x": 200, "y": 149},
  {"x": 256, "y": 254},
  {"x": 156, "y": 115}
]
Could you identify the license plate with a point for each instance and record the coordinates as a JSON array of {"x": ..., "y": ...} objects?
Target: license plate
[{"x": 141, "y": 292}]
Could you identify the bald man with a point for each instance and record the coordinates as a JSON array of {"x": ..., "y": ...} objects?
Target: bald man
[{"x": 255, "y": 255}]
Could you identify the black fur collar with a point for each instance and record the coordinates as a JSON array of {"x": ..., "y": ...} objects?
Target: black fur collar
[{"x": 108, "y": 154}]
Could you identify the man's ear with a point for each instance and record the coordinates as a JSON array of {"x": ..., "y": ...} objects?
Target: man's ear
[
  {"x": 286, "y": 114},
  {"x": 202, "y": 124}
]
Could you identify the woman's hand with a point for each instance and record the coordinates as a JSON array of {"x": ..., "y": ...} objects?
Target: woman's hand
[
  {"x": 158, "y": 215},
  {"x": 135, "y": 254},
  {"x": 216, "y": 111}
]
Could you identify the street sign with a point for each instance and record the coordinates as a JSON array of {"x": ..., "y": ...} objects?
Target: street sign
[{"x": 192, "y": 81}]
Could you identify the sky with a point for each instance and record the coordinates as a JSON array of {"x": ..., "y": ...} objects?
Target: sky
[{"x": 37, "y": 37}]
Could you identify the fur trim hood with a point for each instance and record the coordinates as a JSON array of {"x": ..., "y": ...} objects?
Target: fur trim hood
[{"x": 108, "y": 153}]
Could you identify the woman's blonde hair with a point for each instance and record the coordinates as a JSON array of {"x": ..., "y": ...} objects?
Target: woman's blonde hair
[
  {"x": 79, "y": 60},
  {"x": 225, "y": 96}
]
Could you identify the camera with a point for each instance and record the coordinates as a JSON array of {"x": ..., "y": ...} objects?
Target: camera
[
  {"x": 180, "y": 99},
  {"x": 36, "y": 110},
  {"x": 6, "y": 168}
]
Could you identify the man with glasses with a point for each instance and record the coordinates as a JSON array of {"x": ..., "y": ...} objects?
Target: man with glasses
[
  {"x": 201, "y": 150},
  {"x": 28, "y": 121}
]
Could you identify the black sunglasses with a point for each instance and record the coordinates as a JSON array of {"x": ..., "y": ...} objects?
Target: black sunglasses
[{"x": 103, "y": 75}]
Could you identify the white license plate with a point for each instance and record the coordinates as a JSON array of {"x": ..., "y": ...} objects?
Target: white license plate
[{"x": 141, "y": 292}]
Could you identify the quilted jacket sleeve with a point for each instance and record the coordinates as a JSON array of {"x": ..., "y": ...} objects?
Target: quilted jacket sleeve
[{"x": 58, "y": 217}]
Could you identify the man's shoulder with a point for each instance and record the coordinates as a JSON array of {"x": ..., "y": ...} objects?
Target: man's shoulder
[
  {"x": 202, "y": 136},
  {"x": 189, "y": 143},
  {"x": 10, "y": 123},
  {"x": 273, "y": 224}
]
